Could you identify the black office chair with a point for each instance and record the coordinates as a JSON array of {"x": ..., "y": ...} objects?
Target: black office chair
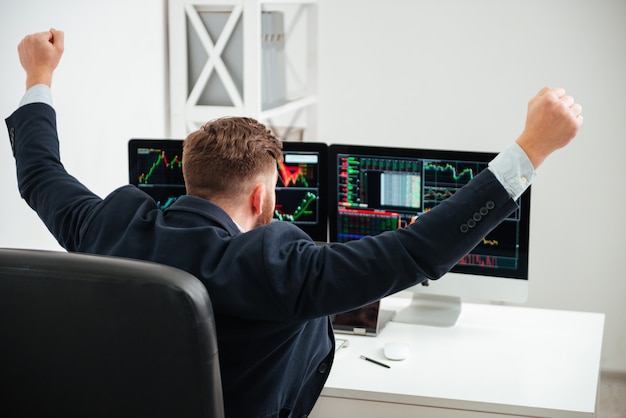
[{"x": 96, "y": 336}]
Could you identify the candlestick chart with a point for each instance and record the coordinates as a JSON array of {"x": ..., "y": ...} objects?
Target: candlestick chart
[
  {"x": 297, "y": 192},
  {"x": 155, "y": 167},
  {"x": 158, "y": 172}
]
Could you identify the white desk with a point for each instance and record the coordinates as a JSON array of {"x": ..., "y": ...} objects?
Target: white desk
[{"x": 497, "y": 361}]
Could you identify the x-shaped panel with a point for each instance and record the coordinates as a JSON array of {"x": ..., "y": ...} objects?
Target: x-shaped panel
[{"x": 214, "y": 50}]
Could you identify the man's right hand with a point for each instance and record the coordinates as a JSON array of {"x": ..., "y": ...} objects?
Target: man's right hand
[
  {"x": 552, "y": 121},
  {"x": 40, "y": 54}
]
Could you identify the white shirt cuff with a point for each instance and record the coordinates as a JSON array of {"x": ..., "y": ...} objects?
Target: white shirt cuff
[
  {"x": 39, "y": 93},
  {"x": 513, "y": 169}
]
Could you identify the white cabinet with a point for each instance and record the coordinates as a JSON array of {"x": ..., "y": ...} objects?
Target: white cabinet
[{"x": 219, "y": 66}]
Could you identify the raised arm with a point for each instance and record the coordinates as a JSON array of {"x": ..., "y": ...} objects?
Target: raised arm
[{"x": 61, "y": 201}]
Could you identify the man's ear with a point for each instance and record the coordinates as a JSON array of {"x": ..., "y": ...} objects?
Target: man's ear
[{"x": 257, "y": 198}]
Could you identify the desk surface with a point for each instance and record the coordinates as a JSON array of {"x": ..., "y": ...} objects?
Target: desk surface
[{"x": 498, "y": 359}]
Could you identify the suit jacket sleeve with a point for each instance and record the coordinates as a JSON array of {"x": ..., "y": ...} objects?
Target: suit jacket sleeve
[
  {"x": 312, "y": 281},
  {"x": 61, "y": 201}
]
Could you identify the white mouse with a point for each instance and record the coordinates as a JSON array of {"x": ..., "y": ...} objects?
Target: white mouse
[{"x": 396, "y": 351}]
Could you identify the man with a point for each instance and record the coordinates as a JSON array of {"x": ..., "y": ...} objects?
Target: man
[{"x": 272, "y": 288}]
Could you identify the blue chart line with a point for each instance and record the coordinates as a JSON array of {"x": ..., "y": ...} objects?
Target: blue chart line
[{"x": 167, "y": 203}]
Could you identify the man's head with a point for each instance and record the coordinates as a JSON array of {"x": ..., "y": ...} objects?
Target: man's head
[{"x": 232, "y": 162}]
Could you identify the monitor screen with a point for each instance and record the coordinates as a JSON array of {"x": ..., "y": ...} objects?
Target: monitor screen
[
  {"x": 302, "y": 188},
  {"x": 155, "y": 166},
  {"x": 377, "y": 189}
]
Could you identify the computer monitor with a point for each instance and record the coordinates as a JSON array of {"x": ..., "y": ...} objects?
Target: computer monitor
[
  {"x": 376, "y": 189},
  {"x": 155, "y": 166}
]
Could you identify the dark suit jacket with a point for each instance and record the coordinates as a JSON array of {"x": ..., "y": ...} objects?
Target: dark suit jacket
[{"x": 272, "y": 288}]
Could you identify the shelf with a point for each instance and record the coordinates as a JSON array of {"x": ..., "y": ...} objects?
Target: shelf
[{"x": 216, "y": 62}]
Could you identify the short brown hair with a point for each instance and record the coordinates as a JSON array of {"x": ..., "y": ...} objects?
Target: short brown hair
[{"x": 225, "y": 154}]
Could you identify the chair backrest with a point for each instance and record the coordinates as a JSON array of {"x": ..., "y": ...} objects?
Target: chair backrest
[{"x": 96, "y": 336}]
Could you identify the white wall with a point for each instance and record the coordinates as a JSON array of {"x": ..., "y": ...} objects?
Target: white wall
[
  {"x": 109, "y": 87},
  {"x": 428, "y": 73},
  {"x": 458, "y": 74}
]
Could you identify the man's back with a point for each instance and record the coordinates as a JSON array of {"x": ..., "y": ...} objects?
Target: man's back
[{"x": 256, "y": 341}]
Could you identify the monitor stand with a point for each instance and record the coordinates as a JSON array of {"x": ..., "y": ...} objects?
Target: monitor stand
[{"x": 433, "y": 310}]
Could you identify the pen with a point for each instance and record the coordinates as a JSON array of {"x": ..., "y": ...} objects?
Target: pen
[{"x": 375, "y": 362}]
